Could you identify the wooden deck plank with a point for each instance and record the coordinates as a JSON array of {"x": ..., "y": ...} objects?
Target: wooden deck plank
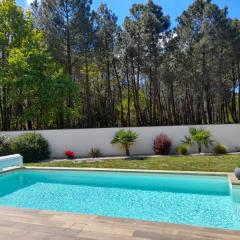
[{"x": 26, "y": 224}]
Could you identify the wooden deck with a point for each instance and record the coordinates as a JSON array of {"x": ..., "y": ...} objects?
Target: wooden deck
[{"x": 26, "y": 224}]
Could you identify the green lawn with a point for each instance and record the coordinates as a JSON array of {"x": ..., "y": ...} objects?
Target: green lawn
[{"x": 223, "y": 163}]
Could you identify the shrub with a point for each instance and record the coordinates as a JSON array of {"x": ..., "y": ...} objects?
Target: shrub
[
  {"x": 182, "y": 149},
  {"x": 32, "y": 146},
  {"x": 95, "y": 153},
  {"x": 199, "y": 137},
  {"x": 220, "y": 149},
  {"x": 70, "y": 154},
  {"x": 237, "y": 149},
  {"x": 5, "y": 145},
  {"x": 125, "y": 139},
  {"x": 162, "y": 144}
]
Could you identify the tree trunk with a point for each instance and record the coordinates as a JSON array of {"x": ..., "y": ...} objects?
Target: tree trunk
[
  {"x": 87, "y": 91},
  {"x": 199, "y": 148},
  {"x": 127, "y": 150},
  {"x": 120, "y": 93}
]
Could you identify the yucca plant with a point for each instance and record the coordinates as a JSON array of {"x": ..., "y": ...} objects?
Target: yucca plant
[
  {"x": 125, "y": 139},
  {"x": 95, "y": 153},
  {"x": 199, "y": 137}
]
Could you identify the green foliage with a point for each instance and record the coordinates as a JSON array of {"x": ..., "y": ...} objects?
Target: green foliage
[
  {"x": 32, "y": 146},
  {"x": 220, "y": 149},
  {"x": 95, "y": 153},
  {"x": 43, "y": 85},
  {"x": 34, "y": 85},
  {"x": 182, "y": 149},
  {"x": 5, "y": 145},
  {"x": 125, "y": 139},
  {"x": 66, "y": 66},
  {"x": 199, "y": 137}
]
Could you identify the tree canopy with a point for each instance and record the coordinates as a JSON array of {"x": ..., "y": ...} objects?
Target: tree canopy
[{"x": 63, "y": 65}]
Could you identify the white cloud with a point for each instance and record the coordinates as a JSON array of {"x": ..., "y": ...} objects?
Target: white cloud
[{"x": 29, "y": 2}]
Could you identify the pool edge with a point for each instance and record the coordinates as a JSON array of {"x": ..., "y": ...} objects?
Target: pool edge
[{"x": 231, "y": 177}]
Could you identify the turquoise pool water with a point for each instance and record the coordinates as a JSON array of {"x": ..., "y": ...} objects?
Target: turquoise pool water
[{"x": 182, "y": 199}]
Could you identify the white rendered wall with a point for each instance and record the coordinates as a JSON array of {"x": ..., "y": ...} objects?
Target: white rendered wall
[
  {"x": 14, "y": 160},
  {"x": 82, "y": 140}
]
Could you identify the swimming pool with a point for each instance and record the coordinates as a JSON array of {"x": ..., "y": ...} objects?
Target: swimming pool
[{"x": 209, "y": 201}]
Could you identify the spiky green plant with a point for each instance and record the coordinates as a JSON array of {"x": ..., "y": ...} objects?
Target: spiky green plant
[
  {"x": 125, "y": 139},
  {"x": 199, "y": 137}
]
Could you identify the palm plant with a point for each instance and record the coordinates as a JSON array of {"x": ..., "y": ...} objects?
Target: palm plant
[
  {"x": 125, "y": 139},
  {"x": 199, "y": 137}
]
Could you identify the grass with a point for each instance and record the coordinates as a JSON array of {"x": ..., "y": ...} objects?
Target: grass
[{"x": 221, "y": 163}]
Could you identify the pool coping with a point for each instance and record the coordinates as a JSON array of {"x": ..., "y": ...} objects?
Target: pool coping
[
  {"x": 28, "y": 224},
  {"x": 231, "y": 176}
]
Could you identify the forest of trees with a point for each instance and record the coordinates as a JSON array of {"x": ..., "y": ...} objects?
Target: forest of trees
[{"x": 63, "y": 65}]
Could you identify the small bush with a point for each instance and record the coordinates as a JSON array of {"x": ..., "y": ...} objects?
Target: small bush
[
  {"x": 5, "y": 145},
  {"x": 182, "y": 149},
  {"x": 237, "y": 149},
  {"x": 162, "y": 144},
  {"x": 95, "y": 153},
  {"x": 220, "y": 149},
  {"x": 70, "y": 154},
  {"x": 32, "y": 146}
]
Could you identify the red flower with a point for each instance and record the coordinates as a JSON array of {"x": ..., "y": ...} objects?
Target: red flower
[{"x": 70, "y": 154}]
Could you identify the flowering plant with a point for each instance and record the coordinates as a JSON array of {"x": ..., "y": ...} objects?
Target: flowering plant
[{"x": 70, "y": 154}]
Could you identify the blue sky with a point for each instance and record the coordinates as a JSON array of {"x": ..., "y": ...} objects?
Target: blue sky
[{"x": 173, "y": 8}]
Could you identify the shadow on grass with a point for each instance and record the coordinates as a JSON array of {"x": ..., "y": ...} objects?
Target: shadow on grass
[{"x": 135, "y": 158}]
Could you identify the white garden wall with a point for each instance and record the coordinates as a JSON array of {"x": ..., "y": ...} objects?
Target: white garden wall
[
  {"x": 82, "y": 140},
  {"x": 14, "y": 160}
]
